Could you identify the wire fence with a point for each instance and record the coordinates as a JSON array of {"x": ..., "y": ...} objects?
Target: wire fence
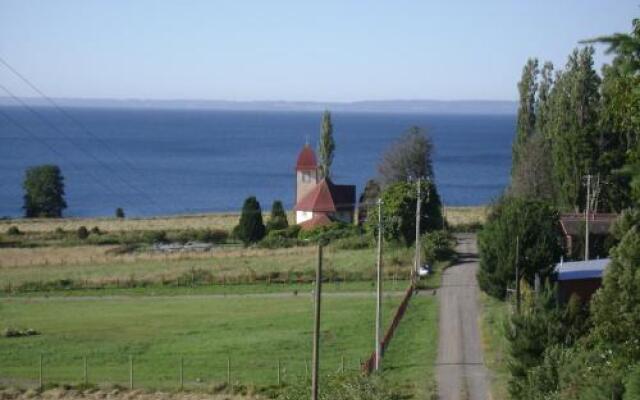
[{"x": 171, "y": 372}]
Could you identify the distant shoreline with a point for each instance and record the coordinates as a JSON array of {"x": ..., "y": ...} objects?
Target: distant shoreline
[{"x": 454, "y": 107}]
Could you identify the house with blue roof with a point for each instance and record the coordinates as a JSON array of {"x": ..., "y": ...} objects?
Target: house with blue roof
[{"x": 581, "y": 278}]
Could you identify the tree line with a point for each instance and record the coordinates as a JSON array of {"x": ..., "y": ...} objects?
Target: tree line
[{"x": 571, "y": 123}]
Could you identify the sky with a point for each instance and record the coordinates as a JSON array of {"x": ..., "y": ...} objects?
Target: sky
[{"x": 293, "y": 50}]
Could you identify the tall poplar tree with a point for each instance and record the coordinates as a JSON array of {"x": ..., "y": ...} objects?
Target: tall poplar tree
[
  {"x": 525, "y": 128},
  {"x": 542, "y": 101},
  {"x": 573, "y": 121},
  {"x": 326, "y": 146}
]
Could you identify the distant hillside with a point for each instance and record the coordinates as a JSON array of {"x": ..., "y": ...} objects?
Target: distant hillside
[{"x": 373, "y": 106}]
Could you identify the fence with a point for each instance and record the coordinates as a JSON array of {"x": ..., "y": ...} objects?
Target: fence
[
  {"x": 369, "y": 365},
  {"x": 169, "y": 373}
]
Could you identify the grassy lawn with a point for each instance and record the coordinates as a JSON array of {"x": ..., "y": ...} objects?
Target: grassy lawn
[
  {"x": 494, "y": 315},
  {"x": 409, "y": 361},
  {"x": 255, "y": 332}
]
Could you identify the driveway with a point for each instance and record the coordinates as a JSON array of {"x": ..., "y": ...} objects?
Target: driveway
[{"x": 461, "y": 373}]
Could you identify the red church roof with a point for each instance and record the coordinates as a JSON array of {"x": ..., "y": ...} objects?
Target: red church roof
[
  {"x": 328, "y": 197},
  {"x": 317, "y": 220},
  {"x": 306, "y": 159}
]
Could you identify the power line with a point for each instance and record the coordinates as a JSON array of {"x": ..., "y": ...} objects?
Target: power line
[
  {"x": 83, "y": 128},
  {"x": 51, "y": 148},
  {"x": 86, "y": 152}
]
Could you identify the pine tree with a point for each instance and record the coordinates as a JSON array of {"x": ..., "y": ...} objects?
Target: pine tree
[
  {"x": 326, "y": 146},
  {"x": 250, "y": 229},
  {"x": 278, "y": 219}
]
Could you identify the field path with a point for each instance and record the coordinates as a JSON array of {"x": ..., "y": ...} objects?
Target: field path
[{"x": 461, "y": 373}]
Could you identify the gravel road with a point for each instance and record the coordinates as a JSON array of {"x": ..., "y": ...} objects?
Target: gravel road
[{"x": 461, "y": 373}]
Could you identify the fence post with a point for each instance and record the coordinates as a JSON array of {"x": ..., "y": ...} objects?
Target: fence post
[
  {"x": 342, "y": 365},
  {"x": 228, "y": 371},
  {"x": 40, "y": 381},
  {"x": 181, "y": 373},
  {"x": 278, "y": 365},
  {"x": 131, "y": 372},
  {"x": 86, "y": 373}
]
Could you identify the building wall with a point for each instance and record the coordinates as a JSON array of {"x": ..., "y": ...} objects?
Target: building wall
[
  {"x": 302, "y": 216},
  {"x": 305, "y": 181},
  {"x": 584, "y": 288}
]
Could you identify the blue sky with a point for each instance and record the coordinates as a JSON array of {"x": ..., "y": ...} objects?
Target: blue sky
[{"x": 293, "y": 50}]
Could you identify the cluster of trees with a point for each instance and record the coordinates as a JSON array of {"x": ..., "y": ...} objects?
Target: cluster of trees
[
  {"x": 570, "y": 124},
  {"x": 251, "y": 228},
  {"x": 574, "y": 122}
]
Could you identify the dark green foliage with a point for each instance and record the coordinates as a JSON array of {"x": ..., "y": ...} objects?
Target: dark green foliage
[
  {"x": 250, "y": 229},
  {"x": 278, "y": 219},
  {"x": 408, "y": 158},
  {"x": 119, "y": 212},
  {"x": 437, "y": 246},
  {"x": 155, "y": 237},
  {"x": 632, "y": 386},
  {"x": 399, "y": 211},
  {"x": 44, "y": 192},
  {"x": 330, "y": 232},
  {"x": 526, "y": 122},
  {"x": 327, "y": 145},
  {"x": 536, "y": 225},
  {"x": 13, "y": 231},
  {"x": 368, "y": 199},
  {"x": 282, "y": 238},
  {"x": 95, "y": 231},
  {"x": 82, "y": 233},
  {"x": 354, "y": 242}
]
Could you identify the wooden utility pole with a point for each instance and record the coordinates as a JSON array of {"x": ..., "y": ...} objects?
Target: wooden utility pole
[
  {"x": 316, "y": 329},
  {"x": 517, "y": 274},
  {"x": 417, "y": 256},
  {"x": 379, "y": 292},
  {"x": 586, "y": 219}
]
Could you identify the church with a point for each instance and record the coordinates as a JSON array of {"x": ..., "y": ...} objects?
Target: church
[{"x": 318, "y": 200}]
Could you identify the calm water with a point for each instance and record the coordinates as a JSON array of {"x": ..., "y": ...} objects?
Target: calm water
[{"x": 168, "y": 162}]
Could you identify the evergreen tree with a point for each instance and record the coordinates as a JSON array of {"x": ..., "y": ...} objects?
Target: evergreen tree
[
  {"x": 526, "y": 122},
  {"x": 250, "y": 229},
  {"x": 536, "y": 226},
  {"x": 326, "y": 146},
  {"x": 542, "y": 101},
  {"x": 44, "y": 192},
  {"x": 278, "y": 219}
]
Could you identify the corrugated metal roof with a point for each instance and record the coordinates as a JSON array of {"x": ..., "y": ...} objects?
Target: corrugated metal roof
[{"x": 574, "y": 270}]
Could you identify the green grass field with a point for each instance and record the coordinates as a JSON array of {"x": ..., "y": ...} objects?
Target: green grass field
[
  {"x": 494, "y": 316},
  {"x": 255, "y": 332}
]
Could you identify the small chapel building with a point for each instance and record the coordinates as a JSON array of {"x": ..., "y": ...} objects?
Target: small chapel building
[{"x": 319, "y": 201}]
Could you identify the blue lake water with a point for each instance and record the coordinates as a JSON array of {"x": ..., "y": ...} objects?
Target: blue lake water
[{"x": 153, "y": 162}]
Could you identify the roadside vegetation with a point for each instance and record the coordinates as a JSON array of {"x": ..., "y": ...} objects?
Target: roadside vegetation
[{"x": 588, "y": 124}]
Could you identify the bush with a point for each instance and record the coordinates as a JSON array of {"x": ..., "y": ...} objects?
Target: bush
[
  {"x": 333, "y": 231},
  {"x": 437, "y": 246},
  {"x": 13, "y": 231},
  {"x": 213, "y": 236},
  {"x": 82, "y": 233},
  {"x": 353, "y": 243},
  {"x": 95, "y": 231},
  {"x": 155, "y": 237},
  {"x": 119, "y": 212}
]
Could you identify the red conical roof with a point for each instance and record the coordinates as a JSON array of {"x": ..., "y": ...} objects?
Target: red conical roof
[{"x": 306, "y": 159}]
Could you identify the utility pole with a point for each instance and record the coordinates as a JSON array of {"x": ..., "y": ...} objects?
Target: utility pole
[
  {"x": 517, "y": 274},
  {"x": 586, "y": 219},
  {"x": 417, "y": 256},
  {"x": 379, "y": 293},
  {"x": 316, "y": 329}
]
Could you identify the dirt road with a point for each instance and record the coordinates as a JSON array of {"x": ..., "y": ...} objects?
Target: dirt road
[{"x": 460, "y": 370}]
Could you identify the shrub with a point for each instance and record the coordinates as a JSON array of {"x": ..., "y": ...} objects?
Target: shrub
[
  {"x": 82, "y": 233},
  {"x": 353, "y": 243},
  {"x": 213, "y": 236},
  {"x": 95, "y": 230},
  {"x": 119, "y": 212},
  {"x": 13, "y": 231},
  {"x": 155, "y": 237},
  {"x": 333, "y": 231},
  {"x": 437, "y": 246}
]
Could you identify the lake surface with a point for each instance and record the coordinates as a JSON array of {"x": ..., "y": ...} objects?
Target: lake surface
[{"x": 153, "y": 162}]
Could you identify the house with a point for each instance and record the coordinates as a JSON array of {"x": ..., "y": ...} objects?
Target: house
[
  {"x": 581, "y": 278},
  {"x": 319, "y": 201},
  {"x": 573, "y": 228}
]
